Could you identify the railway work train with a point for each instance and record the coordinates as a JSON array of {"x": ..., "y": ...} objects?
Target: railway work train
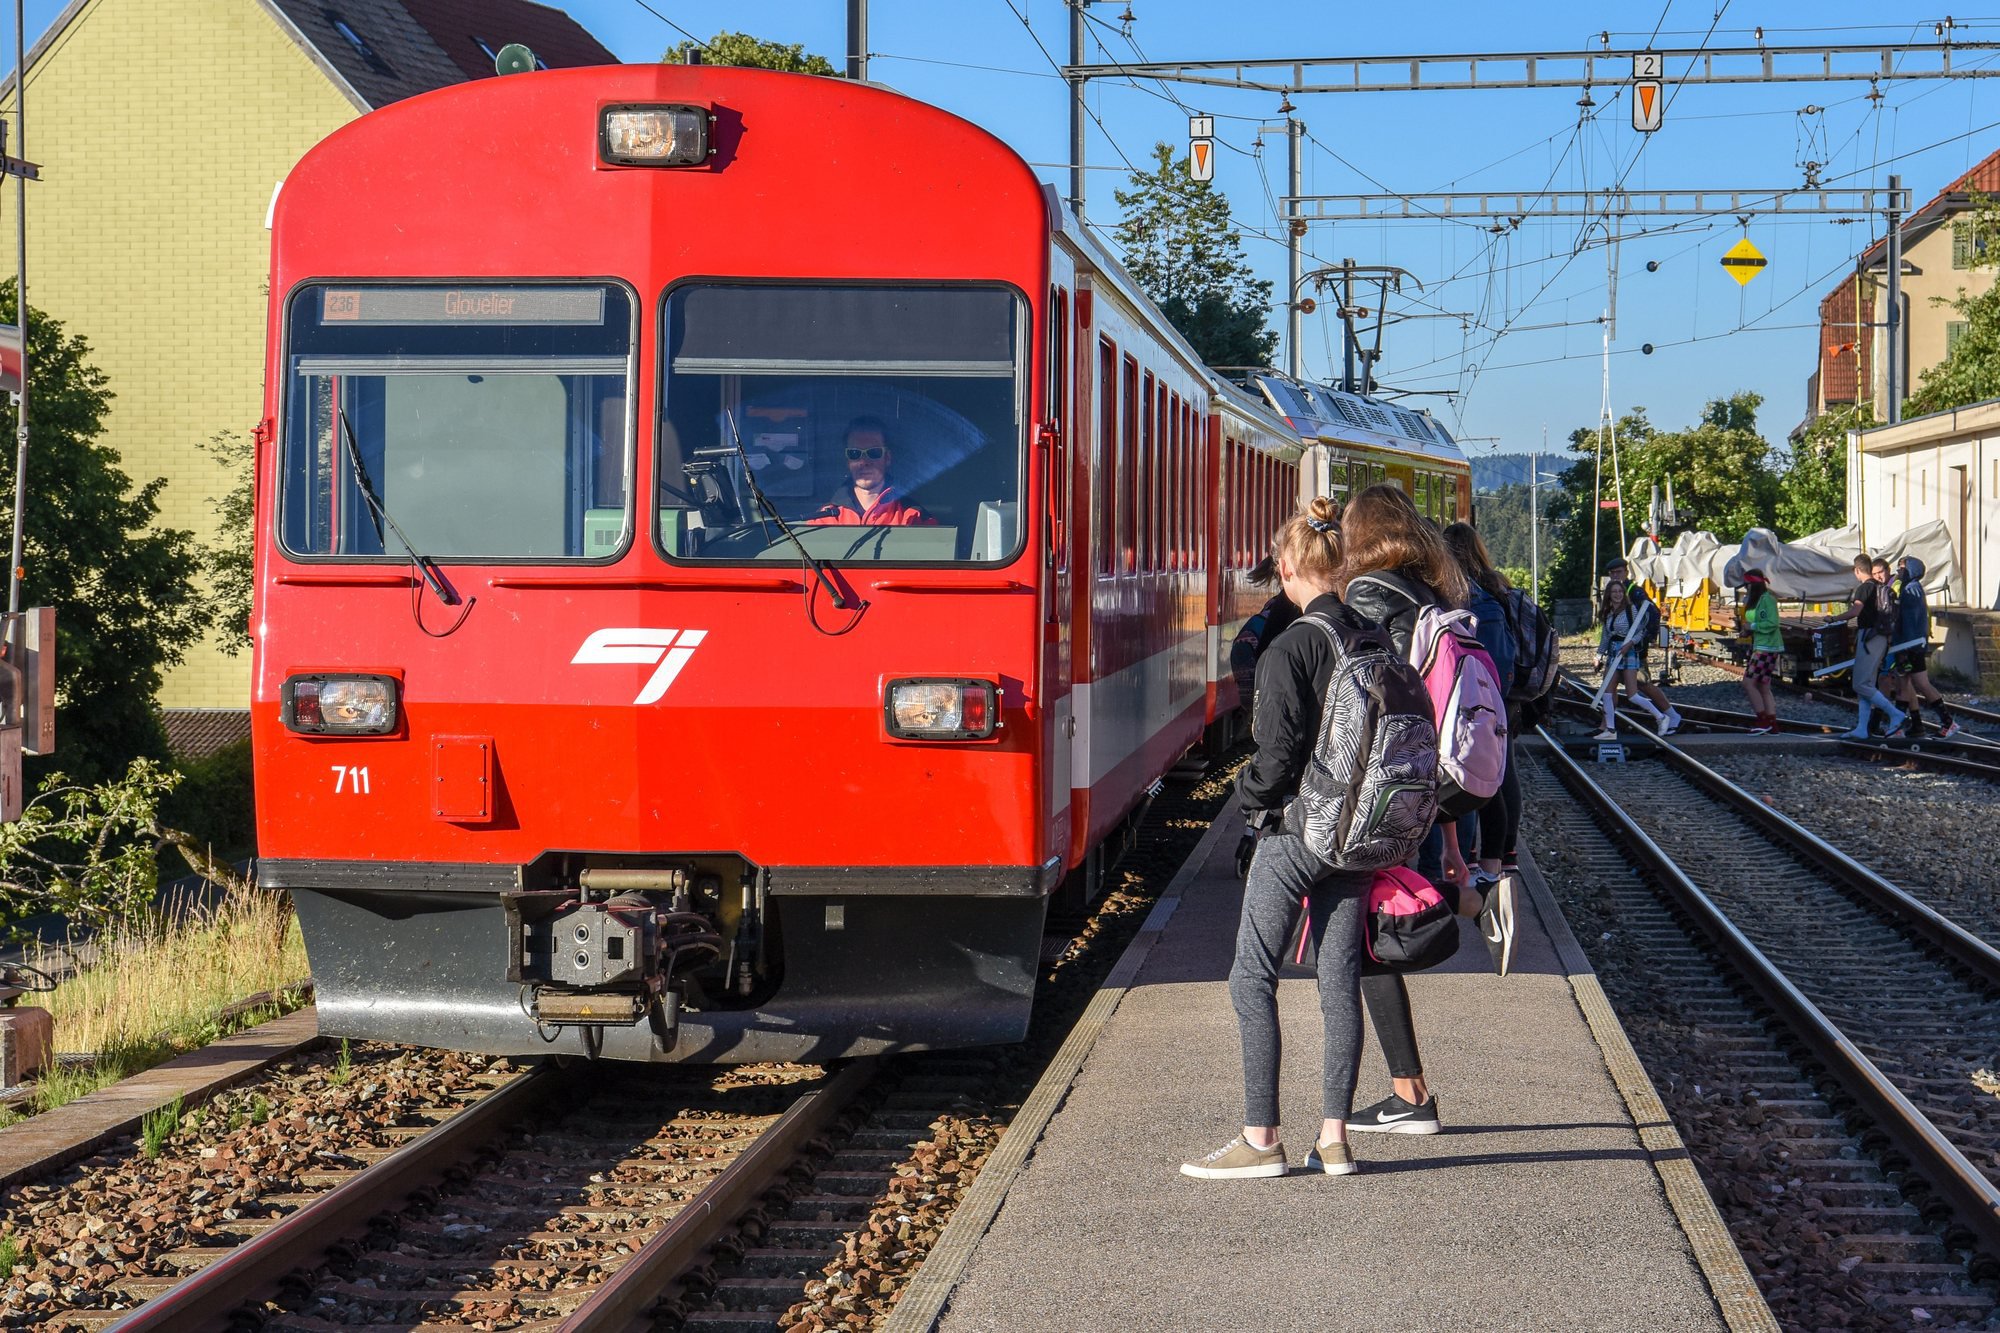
[{"x": 729, "y": 547}]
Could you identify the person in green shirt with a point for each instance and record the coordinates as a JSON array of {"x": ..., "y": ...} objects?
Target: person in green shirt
[{"x": 1760, "y": 616}]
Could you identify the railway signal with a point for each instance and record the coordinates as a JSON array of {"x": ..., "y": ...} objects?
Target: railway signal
[
  {"x": 1201, "y": 148},
  {"x": 1743, "y": 261},
  {"x": 1649, "y": 103}
]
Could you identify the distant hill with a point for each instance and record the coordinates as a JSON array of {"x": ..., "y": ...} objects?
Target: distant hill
[{"x": 1496, "y": 470}]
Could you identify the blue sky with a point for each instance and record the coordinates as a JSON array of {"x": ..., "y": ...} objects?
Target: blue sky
[{"x": 978, "y": 59}]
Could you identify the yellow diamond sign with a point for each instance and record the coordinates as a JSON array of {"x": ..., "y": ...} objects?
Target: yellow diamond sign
[{"x": 1743, "y": 261}]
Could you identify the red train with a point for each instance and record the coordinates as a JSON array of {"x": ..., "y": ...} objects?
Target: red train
[{"x": 729, "y": 548}]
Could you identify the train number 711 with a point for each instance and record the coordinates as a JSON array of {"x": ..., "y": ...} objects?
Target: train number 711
[{"x": 350, "y": 780}]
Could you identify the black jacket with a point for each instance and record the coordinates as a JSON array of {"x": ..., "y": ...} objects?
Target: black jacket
[
  {"x": 1377, "y": 605},
  {"x": 1292, "y": 675}
]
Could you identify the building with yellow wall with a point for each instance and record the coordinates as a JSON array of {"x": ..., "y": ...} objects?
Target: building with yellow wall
[{"x": 163, "y": 129}]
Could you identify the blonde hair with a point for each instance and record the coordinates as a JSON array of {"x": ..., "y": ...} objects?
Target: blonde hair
[{"x": 1310, "y": 539}]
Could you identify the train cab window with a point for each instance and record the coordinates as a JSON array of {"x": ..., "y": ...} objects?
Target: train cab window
[
  {"x": 1422, "y": 495},
  {"x": 1451, "y": 499},
  {"x": 882, "y": 423},
  {"x": 489, "y": 422}
]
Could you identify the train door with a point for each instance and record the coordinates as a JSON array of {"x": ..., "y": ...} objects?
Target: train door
[{"x": 1057, "y": 440}]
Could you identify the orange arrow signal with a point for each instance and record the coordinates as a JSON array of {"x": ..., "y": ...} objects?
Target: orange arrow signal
[
  {"x": 1201, "y": 159},
  {"x": 1648, "y": 106}
]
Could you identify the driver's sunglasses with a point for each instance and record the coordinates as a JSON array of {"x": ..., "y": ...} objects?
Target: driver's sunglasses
[{"x": 873, "y": 452}]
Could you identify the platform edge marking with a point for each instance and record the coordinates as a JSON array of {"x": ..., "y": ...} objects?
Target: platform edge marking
[
  {"x": 1715, "y": 1252},
  {"x": 924, "y": 1299}
]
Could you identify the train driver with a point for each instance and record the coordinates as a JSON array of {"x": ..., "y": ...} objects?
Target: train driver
[{"x": 868, "y": 499}]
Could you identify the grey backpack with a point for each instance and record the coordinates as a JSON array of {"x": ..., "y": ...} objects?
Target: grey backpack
[{"x": 1369, "y": 793}]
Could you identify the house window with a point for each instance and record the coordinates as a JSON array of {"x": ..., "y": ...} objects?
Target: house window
[
  {"x": 1967, "y": 244},
  {"x": 1954, "y": 329},
  {"x": 360, "y": 44}
]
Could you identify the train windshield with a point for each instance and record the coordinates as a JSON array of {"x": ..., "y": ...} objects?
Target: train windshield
[
  {"x": 491, "y": 421},
  {"x": 883, "y": 423}
]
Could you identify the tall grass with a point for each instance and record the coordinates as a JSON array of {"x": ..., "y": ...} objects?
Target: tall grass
[{"x": 154, "y": 989}]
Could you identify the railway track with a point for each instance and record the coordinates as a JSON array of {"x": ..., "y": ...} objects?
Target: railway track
[
  {"x": 1816, "y": 1009},
  {"x": 564, "y": 1198},
  {"x": 1967, "y": 755}
]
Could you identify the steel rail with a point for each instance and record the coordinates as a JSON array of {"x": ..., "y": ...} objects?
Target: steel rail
[
  {"x": 622, "y": 1302},
  {"x": 1935, "y": 928},
  {"x": 1919, "y": 751},
  {"x": 1972, "y": 1196},
  {"x": 206, "y": 1299},
  {"x": 1986, "y": 715}
]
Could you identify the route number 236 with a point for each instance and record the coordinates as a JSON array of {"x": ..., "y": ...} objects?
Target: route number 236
[{"x": 350, "y": 780}]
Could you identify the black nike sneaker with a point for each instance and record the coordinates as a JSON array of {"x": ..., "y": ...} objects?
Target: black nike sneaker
[{"x": 1393, "y": 1115}]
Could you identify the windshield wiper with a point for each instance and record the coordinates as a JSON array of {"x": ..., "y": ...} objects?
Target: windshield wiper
[
  {"x": 764, "y": 503},
  {"x": 433, "y": 576}
]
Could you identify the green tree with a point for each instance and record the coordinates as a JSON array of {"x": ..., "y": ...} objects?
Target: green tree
[
  {"x": 1719, "y": 467},
  {"x": 743, "y": 50},
  {"x": 227, "y": 560},
  {"x": 124, "y": 593},
  {"x": 1812, "y": 488},
  {"x": 1182, "y": 248}
]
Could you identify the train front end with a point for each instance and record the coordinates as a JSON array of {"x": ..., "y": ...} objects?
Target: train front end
[{"x": 650, "y": 624}]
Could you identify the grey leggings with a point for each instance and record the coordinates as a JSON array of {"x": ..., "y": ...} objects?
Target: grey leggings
[
  {"x": 1867, "y": 666},
  {"x": 1282, "y": 876}
]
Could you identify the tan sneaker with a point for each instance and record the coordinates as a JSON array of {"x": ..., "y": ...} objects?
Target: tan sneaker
[
  {"x": 1237, "y": 1160},
  {"x": 1333, "y": 1159}
]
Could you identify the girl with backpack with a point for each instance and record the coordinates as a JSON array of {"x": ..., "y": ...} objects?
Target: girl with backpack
[
  {"x": 1293, "y": 676},
  {"x": 1397, "y": 565},
  {"x": 1760, "y": 617},
  {"x": 1912, "y": 665},
  {"x": 1623, "y": 628},
  {"x": 1498, "y": 822}
]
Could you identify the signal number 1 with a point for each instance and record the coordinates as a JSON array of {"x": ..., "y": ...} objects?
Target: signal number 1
[{"x": 349, "y": 779}]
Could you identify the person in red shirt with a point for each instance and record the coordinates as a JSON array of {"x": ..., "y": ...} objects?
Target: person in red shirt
[{"x": 868, "y": 499}]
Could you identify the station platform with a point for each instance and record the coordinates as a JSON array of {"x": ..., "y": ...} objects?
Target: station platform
[{"x": 1558, "y": 1197}]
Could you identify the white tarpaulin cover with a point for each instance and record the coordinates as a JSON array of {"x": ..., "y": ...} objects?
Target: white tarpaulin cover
[
  {"x": 1815, "y": 568},
  {"x": 1820, "y": 567}
]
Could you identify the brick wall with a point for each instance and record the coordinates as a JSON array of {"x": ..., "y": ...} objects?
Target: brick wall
[{"x": 162, "y": 129}]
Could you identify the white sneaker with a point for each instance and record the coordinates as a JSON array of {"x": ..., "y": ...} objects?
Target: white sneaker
[
  {"x": 1672, "y": 724},
  {"x": 1608, "y": 734}
]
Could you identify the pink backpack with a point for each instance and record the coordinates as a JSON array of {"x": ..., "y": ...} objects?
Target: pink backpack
[{"x": 1470, "y": 705}]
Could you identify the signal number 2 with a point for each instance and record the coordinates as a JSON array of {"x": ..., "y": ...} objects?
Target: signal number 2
[{"x": 350, "y": 780}]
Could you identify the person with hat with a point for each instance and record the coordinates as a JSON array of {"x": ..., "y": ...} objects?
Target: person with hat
[
  {"x": 1636, "y": 642},
  {"x": 1760, "y": 617}
]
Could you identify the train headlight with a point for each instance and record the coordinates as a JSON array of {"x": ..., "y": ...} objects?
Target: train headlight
[
  {"x": 655, "y": 136},
  {"x": 950, "y": 709},
  {"x": 329, "y": 705}
]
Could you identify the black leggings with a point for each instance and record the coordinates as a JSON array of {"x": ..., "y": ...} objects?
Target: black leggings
[
  {"x": 1500, "y": 818},
  {"x": 1388, "y": 1002}
]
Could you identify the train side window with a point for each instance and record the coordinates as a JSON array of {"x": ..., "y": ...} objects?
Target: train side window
[
  {"x": 1157, "y": 483},
  {"x": 1106, "y": 462},
  {"x": 1451, "y": 499},
  {"x": 1176, "y": 516},
  {"x": 1057, "y": 491},
  {"x": 1148, "y": 470},
  {"x": 1128, "y": 468}
]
